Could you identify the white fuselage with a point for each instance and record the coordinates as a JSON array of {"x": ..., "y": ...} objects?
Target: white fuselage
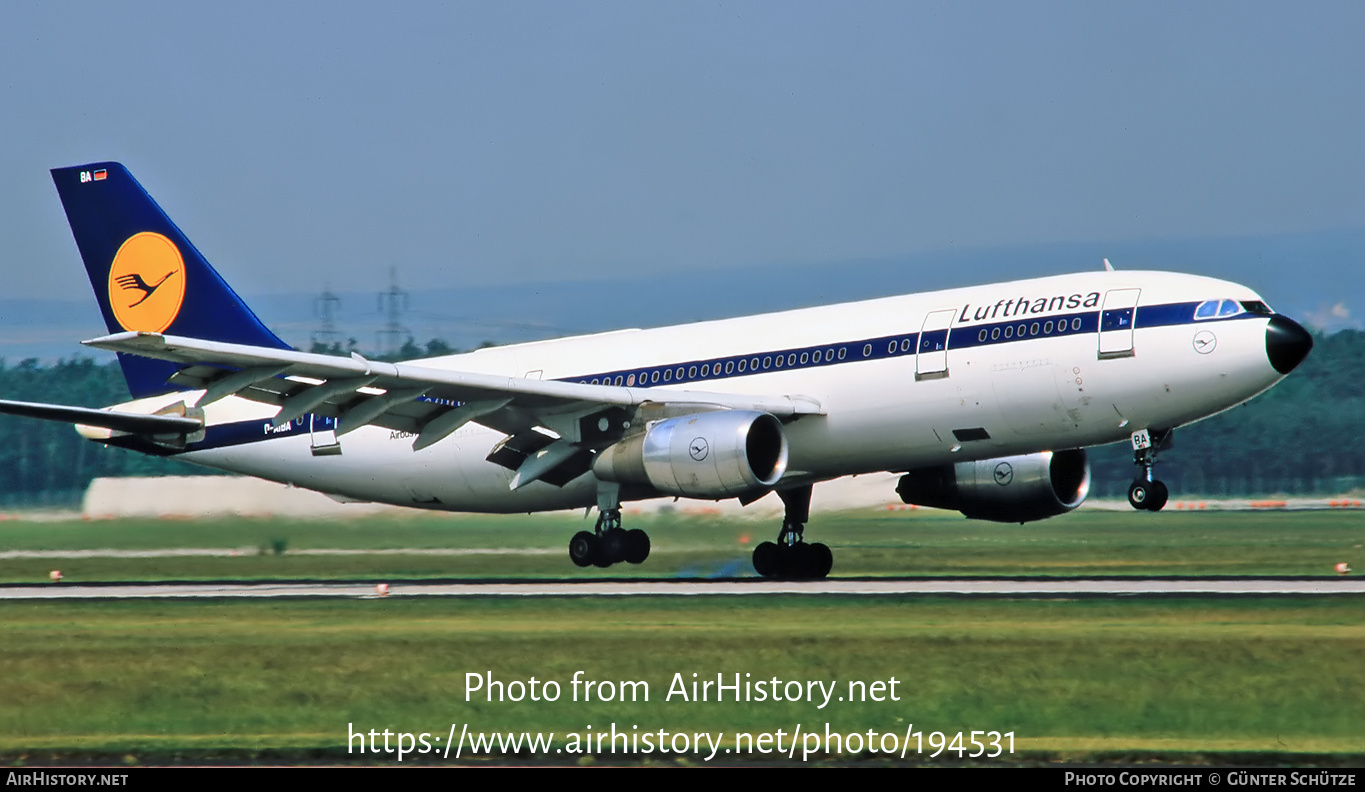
[{"x": 891, "y": 400}]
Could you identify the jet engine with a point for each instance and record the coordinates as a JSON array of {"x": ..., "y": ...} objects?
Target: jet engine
[
  {"x": 719, "y": 454},
  {"x": 1008, "y": 489}
]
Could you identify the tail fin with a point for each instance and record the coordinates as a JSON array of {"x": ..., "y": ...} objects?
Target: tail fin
[{"x": 146, "y": 274}]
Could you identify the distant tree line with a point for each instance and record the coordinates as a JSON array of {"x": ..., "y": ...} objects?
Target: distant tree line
[
  {"x": 410, "y": 350},
  {"x": 1303, "y": 436},
  {"x": 1306, "y": 435}
]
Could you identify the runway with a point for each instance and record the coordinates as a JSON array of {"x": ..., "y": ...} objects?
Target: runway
[{"x": 971, "y": 587}]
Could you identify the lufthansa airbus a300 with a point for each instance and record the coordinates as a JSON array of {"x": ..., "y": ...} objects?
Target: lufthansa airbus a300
[{"x": 983, "y": 397}]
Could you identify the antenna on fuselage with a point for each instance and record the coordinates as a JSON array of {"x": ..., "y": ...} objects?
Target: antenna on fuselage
[{"x": 1107, "y": 266}]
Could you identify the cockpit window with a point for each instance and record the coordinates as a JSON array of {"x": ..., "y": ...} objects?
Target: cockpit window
[
  {"x": 1220, "y": 309},
  {"x": 1257, "y": 307}
]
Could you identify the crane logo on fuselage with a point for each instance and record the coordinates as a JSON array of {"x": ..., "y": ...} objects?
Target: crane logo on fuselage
[{"x": 147, "y": 283}]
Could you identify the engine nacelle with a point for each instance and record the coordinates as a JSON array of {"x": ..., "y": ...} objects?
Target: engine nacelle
[
  {"x": 719, "y": 454},
  {"x": 1009, "y": 489}
]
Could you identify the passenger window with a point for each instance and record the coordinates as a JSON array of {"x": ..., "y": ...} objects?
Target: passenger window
[
  {"x": 842, "y": 351},
  {"x": 630, "y": 380},
  {"x": 805, "y": 358},
  {"x": 730, "y": 366},
  {"x": 668, "y": 375},
  {"x": 867, "y": 350},
  {"x": 981, "y": 336}
]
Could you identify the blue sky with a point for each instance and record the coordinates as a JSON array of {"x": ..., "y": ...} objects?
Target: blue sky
[{"x": 500, "y": 143}]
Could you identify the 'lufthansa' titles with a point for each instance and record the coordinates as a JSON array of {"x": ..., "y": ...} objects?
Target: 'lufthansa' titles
[{"x": 1026, "y": 306}]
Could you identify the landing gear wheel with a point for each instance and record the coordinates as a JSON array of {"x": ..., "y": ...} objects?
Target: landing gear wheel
[
  {"x": 1146, "y": 492},
  {"x": 1158, "y": 496},
  {"x": 583, "y": 548},
  {"x": 612, "y": 544},
  {"x": 609, "y": 543},
  {"x": 822, "y": 560},
  {"x": 1148, "y": 495},
  {"x": 790, "y": 557},
  {"x": 795, "y": 561},
  {"x": 766, "y": 559},
  {"x": 803, "y": 561},
  {"x": 1138, "y": 493},
  {"x": 637, "y": 546}
]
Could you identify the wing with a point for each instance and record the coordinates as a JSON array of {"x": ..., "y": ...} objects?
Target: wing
[{"x": 432, "y": 403}]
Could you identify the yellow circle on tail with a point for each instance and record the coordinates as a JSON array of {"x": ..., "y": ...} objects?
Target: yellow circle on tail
[{"x": 147, "y": 283}]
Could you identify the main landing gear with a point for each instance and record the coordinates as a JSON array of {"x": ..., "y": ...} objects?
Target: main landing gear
[
  {"x": 1147, "y": 493},
  {"x": 790, "y": 557},
  {"x": 609, "y": 543}
]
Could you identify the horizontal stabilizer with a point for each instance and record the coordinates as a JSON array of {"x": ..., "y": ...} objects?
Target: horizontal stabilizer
[{"x": 119, "y": 422}]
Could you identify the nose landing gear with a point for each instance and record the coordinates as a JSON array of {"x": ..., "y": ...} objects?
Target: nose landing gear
[{"x": 1147, "y": 493}]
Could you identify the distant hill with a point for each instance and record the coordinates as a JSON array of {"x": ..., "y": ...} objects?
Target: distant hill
[{"x": 1316, "y": 277}]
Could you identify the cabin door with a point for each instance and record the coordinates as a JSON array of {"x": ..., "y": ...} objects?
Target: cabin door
[{"x": 1116, "y": 323}]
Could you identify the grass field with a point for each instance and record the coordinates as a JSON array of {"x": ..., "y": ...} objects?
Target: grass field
[
  {"x": 865, "y": 543},
  {"x": 1259, "y": 680},
  {"x": 1170, "y": 679}
]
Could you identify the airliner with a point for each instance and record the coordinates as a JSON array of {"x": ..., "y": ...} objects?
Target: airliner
[{"x": 983, "y": 398}]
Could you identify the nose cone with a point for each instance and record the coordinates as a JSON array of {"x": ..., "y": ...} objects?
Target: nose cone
[{"x": 1286, "y": 343}]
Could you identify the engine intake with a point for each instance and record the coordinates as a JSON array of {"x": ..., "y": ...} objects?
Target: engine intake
[
  {"x": 1008, "y": 489},
  {"x": 719, "y": 454}
]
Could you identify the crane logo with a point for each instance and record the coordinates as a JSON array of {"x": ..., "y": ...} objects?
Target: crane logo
[{"x": 147, "y": 283}]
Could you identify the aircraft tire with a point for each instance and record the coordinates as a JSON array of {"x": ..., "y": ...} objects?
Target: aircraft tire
[
  {"x": 1138, "y": 494},
  {"x": 613, "y": 546},
  {"x": 796, "y": 561},
  {"x": 1156, "y": 500},
  {"x": 822, "y": 560},
  {"x": 637, "y": 546},
  {"x": 583, "y": 548},
  {"x": 766, "y": 559}
]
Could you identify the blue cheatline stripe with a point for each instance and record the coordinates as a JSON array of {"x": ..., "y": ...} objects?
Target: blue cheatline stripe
[
  {"x": 833, "y": 354},
  {"x": 960, "y": 337}
]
